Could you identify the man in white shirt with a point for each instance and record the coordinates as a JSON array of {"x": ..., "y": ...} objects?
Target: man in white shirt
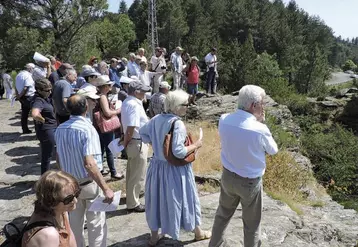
[
  {"x": 245, "y": 140},
  {"x": 157, "y": 64},
  {"x": 211, "y": 74},
  {"x": 178, "y": 67},
  {"x": 25, "y": 91},
  {"x": 133, "y": 118},
  {"x": 132, "y": 66}
]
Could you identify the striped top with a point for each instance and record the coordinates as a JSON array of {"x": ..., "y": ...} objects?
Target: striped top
[{"x": 75, "y": 139}]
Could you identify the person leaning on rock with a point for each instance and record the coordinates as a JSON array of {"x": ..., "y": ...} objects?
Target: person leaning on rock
[{"x": 245, "y": 140}]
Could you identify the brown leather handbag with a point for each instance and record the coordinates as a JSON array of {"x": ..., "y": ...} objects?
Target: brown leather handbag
[{"x": 168, "y": 152}]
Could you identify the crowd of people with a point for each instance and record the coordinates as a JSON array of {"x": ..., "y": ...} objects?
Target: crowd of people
[{"x": 77, "y": 117}]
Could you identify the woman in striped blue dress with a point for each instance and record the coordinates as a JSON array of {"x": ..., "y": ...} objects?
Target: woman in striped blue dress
[{"x": 171, "y": 199}]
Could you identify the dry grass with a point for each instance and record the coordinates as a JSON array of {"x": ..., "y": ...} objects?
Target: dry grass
[{"x": 208, "y": 158}]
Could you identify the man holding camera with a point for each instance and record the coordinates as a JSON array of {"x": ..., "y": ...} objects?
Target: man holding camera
[{"x": 157, "y": 64}]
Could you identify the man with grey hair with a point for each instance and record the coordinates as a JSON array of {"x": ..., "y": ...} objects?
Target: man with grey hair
[
  {"x": 133, "y": 68},
  {"x": 245, "y": 140},
  {"x": 133, "y": 118},
  {"x": 62, "y": 90},
  {"x": 156, "y": 105},
  {"x": 25, "y": 91},
  {"x": 141, "y": 53}
]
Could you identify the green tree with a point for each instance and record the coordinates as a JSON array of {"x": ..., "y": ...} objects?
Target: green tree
[
  {"x": 349, "y": 65},
  {"x": 62, "y": 18},
  {"x": 123, "y": 9}
]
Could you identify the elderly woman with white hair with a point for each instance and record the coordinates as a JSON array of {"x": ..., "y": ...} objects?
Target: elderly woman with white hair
[{"x": 171, "y": 200}]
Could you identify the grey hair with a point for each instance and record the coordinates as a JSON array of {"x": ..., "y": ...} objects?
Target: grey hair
[
  {"x": 141, "y": 49},
  {"x": 250, "y": 94},
  {"x": 174, "y": 99},
  {"x": 132, "y": 55},
  {"x": 70, "y": 72}
]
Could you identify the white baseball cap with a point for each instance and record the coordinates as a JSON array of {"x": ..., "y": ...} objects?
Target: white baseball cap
[
  {"x": 164, "y": 84},
  {"x": 89, "y": 91}
]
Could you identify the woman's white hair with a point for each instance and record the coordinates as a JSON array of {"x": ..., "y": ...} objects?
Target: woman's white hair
[
  {"x": 250, "y": 94},
  {"x": 174, "y": 99}
]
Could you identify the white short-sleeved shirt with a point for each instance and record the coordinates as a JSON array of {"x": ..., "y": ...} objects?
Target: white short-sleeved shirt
[
  {"x": 133, "y": 115},
  {"x": 24, "y": 79},
  {"x": 144, "y": 59},
  {"x": 157, "y": 63},
  {"x": 211, "y": 58},
  {"x": 39, "y": 73},
  {"x": 145, "y": 77},
  {"x": 244, "y": 143}
]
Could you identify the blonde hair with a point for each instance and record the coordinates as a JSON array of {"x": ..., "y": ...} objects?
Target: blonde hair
[
  {"x": 49, "y": 190},
  {"x": 174, "y": 99}
]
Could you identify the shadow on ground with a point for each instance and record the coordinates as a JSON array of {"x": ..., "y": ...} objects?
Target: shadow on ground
[
  {"x": 16, "y": 190},
  {"x": 142, "y": 241},
  {"x": 11, "y": 137},
  {"x": 22, "y": 151}
]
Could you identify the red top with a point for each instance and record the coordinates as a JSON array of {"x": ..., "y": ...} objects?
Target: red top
[{"x": 193, "y": 75}]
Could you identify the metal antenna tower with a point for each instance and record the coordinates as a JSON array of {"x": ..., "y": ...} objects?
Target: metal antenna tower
[{"x": 152, "y": 25}]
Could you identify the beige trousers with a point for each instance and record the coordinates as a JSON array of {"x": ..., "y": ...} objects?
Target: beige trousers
[
  {"x": 96, "y": 221},
  {"x": 156, "y": 81},
  {"x": 137, "y": 153},
  {"x": 176, "y": 80},
  {"x": 236, "y": 189}
]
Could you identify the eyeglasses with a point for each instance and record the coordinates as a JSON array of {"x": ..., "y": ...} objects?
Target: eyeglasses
[{"x": 68, "y": 199}]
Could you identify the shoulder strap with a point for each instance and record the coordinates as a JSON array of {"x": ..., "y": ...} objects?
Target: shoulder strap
[
  {"x": 173, "y": 125},
  {"x": 39, "y": 224}
]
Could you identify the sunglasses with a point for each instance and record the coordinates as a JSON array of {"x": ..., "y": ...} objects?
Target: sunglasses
[
  {"x": 185, "y": 105},
  {"x": 68, "y": 199},
  {"x": 47, "y": 91}
]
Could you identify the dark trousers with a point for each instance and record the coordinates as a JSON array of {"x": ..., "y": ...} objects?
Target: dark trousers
[
  {"x": 47, "y": 143},
  {"x": 211, "y": 81},
  {"x": 105, "y": 139},
  {"x": 25, "y": 110},
  {"x": 61, "y": 119}
]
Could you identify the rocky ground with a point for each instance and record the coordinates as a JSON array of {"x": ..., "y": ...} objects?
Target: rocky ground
[{"x": 327, "y": 225}]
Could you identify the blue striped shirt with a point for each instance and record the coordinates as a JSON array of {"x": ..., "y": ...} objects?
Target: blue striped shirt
[{"x": 75, "y": 139}]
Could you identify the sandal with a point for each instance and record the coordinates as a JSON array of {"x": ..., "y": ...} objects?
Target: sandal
[
  {"x": 205, "y": 235},
  {"x": 154, "y": 243}
]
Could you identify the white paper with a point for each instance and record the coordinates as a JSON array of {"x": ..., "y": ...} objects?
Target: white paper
[
  {"x": 118, "y": 104},
  {"x": 12, "y": 101},
  {"x": 99, "y": 206},
  {"x": 115, "y": 147},
  {"x": 200, "y": 134}
]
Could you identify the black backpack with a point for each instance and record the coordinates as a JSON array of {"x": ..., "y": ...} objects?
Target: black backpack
[{"x": 14, "y": 235}]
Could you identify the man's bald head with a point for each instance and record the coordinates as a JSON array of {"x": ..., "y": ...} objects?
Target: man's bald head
[{"x": 77, "y": 105}]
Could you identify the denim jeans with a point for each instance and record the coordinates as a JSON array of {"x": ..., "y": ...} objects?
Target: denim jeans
[
  {"x": 105, "y": 139},
  {"x": 47, "y": 143}
]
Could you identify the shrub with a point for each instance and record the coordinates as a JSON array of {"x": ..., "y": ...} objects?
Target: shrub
[
  {"x": 299, "y": 105},
  {"x": 283, "y": 138},
  {"x": 334, "y": 152}
]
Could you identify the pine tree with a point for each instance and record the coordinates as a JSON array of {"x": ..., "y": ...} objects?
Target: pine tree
[{"x": 123, "y": 9}]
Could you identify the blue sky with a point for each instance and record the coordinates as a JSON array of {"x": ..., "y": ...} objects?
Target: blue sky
[{"x": 340, "y": 15}]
